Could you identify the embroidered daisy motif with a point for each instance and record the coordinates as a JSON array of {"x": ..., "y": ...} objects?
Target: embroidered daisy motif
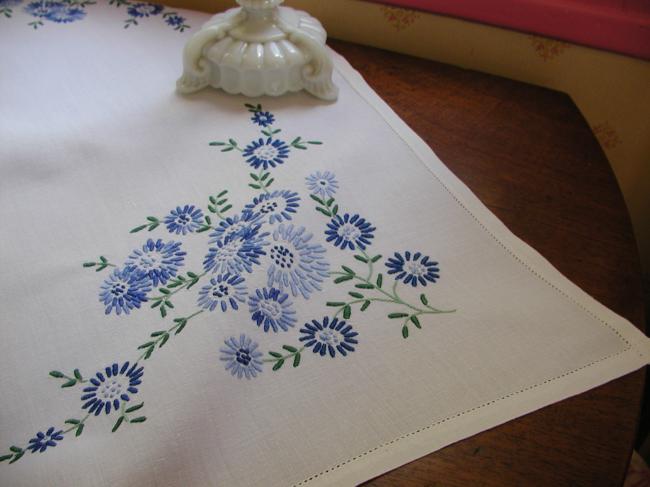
[
  {"x": 236, "y": 254},
  {"x": 110, "y": 387},
  {"x": 323, "y": 184},
  {"x": 263, "y": 119},
  {"x": 176, "y": 21},
  {"x": 329, "y": 337},
  {"x": 124, "y": 290},
  {"x": 237, "y": 226},
  {"x": 295, "y": 264},
  {"x": 55, "y": 11},
  {"x": 43, "y": 441},
  {"x": 277, "y": 206},
  {"x": 413, "y": 268},
  {"x": 184, "y": 220},
  {"x": 158, "y": 260},
  {"x": 272, "y": 309},
  {"x": 223, "y": 290},
  {"x": 349, "y": 231},
  {"x": 144, "y": 9},
  {"x": 266, "y": 153},
  {"x": 241, "y": 357}
]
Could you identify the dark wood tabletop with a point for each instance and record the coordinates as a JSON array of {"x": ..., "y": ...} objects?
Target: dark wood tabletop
[{"x": 530, "y": 156}]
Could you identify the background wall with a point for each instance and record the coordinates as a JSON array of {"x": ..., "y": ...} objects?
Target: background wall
[{"x": 611, "y": 90}]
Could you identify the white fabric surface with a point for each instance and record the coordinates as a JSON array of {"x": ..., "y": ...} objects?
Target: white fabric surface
[{"x": 93, "y": 140}]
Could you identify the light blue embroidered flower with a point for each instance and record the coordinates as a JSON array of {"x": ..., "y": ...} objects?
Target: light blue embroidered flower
[
  {"x": 323, "y": 184},
  {"x": 272, "y": 309},
  {"x": 236, "y": 226},
  {"x": 276, "y": 206},
  {"x": 66, "y": 14},
  {"x": 124, "y": 290},
  {"x": 413, "y": 268},
  {"x": 349, "y": 231},
  {"x": 184, "y": 220},
  {"x": 110, "y": 387},
  {"x": 263, "y": 119},
  {"x": 158, "y": 260},
  {"x": 223, "y": 290},
  {"x": 42, "y": 441},
  {"x": 236, "y": 254},
  {"x": 144, "y": 9},
  {"x": 242, "y": 357},
  {"x": 176, "y": 21},
  {"x": 295, "y": 264},
  {"x": 266, "y": 153},
  {"x": 329, "y": 337}
]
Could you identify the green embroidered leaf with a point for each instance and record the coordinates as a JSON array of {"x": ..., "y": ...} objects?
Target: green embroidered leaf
[
  {"x": 164, "y": 290},
  {"x": 232, "y": 142},
  {"x": 324, "y": 212},
  {"x": 56, "y": 374},
  {"x": 217, "y": 143},
  {"x": 314, "y": 142},
  {"x": 152, "y": 219},
  {"x": 278, "y": 364},
  {"x": 296, "y": 360},
  {"x": 356, "y": 295},
  {"x": 117, "y": 424},
  {"x": 405, "y": 331},
  {"x": 163, "y": 311},
  {"x": 375, "y": 258},
  {"x": 192, "y": 275},
  {"x": 347, "y": 270},
  {"x": 89, "y": 264},
  {"x": 213, "y": 200},
  {"x": 393, "y": 316},
  {"x": 227, "y": 149},
  {"x": 180, "y": 327},
  {"x": 365, "y": 305},
  {"x": 335, "y": 210},
  {"x": 335, "y": 304},
  {"x": 212, "y": 209},
  {"x": 296, "y": 140},
  {"x": 17, "y": 457},
  {"x": 347, "y": 312},
  {"x": 289, "y": 348},
  {"x": 255, "y": 186},
  {"x": 146, "y": 345},
  {"x": 69, "y": 383},
  {"x": 153, "y": 226},
  {"x": 221, "y": 202},
  {"x": 424, "y": 299},
  {"x": 225, "y": 208},
  {"x": 208, "y": 220},
  {"x": 269, "y": 182},
  {"x": 361, "y": 258},
  {"x": 157, "y": 333},
  {"x": 223, "y": 193},
  {"x": 5, "y": 457},
  {"x": 380, "y": 280},
  {"x": 364, "y": 286},
  {"x": 164, "y": 340},
  {"x": 148, "y": 353},
  {"x": 15, "y": 449},
  {"x": 317, "y": 199},
  {"x": 132, "y": 409},
  {"x": 80, "y": 429},
  {"x": 275, "y": 354},
  {"x": 341, "y": 279},
  {"x": 415, "y": 321},
  {"x": 137, "y": 229},
  {"x": 72, "y": 421},
  {"x": 266, "y": 175},
  {"x": 77, "y": 374}
]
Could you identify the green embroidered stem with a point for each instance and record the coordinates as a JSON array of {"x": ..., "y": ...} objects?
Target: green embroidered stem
[
  {"x": 124, "y": 416},
  {"x": 227, "y": 146},
  {"x": 162, "y": 336},
  {"x": 77, "y": 424},
  {"x": 298, "y": 143},
  {"x": 279, "y": 359},
  {"x": 178, "y": 283},
  {"x": 69, "y": 381},
  {"x": 218, "y": 205},
  {"x": 261, "y": 180},
  {"x": 328, "y": 208},
  {"x": 36, "y": 24},
  {"x": 152, "y": 224},
  {"x": 102, "y": 264}
]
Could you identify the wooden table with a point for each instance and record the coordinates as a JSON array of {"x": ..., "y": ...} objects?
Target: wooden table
[{"x": 530, "y": 156}]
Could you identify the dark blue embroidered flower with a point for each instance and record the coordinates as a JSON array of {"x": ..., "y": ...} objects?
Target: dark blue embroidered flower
[
  {"x": 223, "y": 290},
  {"x": 413, "y": 268},
  {"x": 176, "y": 21},
  {"x": 323, "y": 184},
  {"x": 111, "y": 386},
  {"x": 158, "y": 260},
  {"x": 263, "y": 119},
  {"x": 266, "y": 153},
  {"x": 242, "y": 357},
  {"x": 184, "y": 220},
  {"x": 329, "y": 336},
  {"x": 42, "y": 9},
  {"x": 236, "y": 226},
  {"x": 272, "y": 309},
  {"x": 349, "y": 232},
  {"x": 65, "y": 14},
  {"x": 144, "y": 9},
  {"x": 42, "y": 441},
  {"x": 124, "y": 290},
  {"x": 10, "y": 3},
  {"x": 296, "y": 264},
  {"x": 236, "y": 254},
  {"x": 277, "y": 206}
]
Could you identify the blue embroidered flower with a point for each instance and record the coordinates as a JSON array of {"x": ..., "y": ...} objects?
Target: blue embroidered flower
[
  {"x": 236, "y": 226},
  {"x": 236, "y": 254},
  {"x": 9, "y": 3},
  {"x": 124, "y": 290},
  {"x": 272, "y": 309},
  {"x": 223, "y": 290},
  {"x": 144, "y": 9},
  {"x": 296, "y": 264},
  {"x": 176, "y": 21},
  {"x": 323, "y": 184},
  {"x": 329, "y": 337},
  {"x": 242, "y": 357},
  {"x": 66, "y": 14},
  {"x": 266, "y": 153},
  {"x": 413, "y": 269},
  {"x": 277, "y": 206},
  {"x": 349, "y": 232},
  {"x": 158, "y": 260},
  {"x": 111, "y": 386},
  {"x": 184, "y": 220},
  {"x": 42, "y": 441},
  {"x": 263, "y": 119}
]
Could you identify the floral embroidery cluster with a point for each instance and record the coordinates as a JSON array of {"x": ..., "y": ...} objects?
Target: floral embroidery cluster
[
  {"x": 262, "y": 237},
  {"x": 67, "y": 11}
]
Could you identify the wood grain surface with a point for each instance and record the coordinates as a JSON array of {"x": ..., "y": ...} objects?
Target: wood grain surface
[{"x": 530, "y": 156}]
